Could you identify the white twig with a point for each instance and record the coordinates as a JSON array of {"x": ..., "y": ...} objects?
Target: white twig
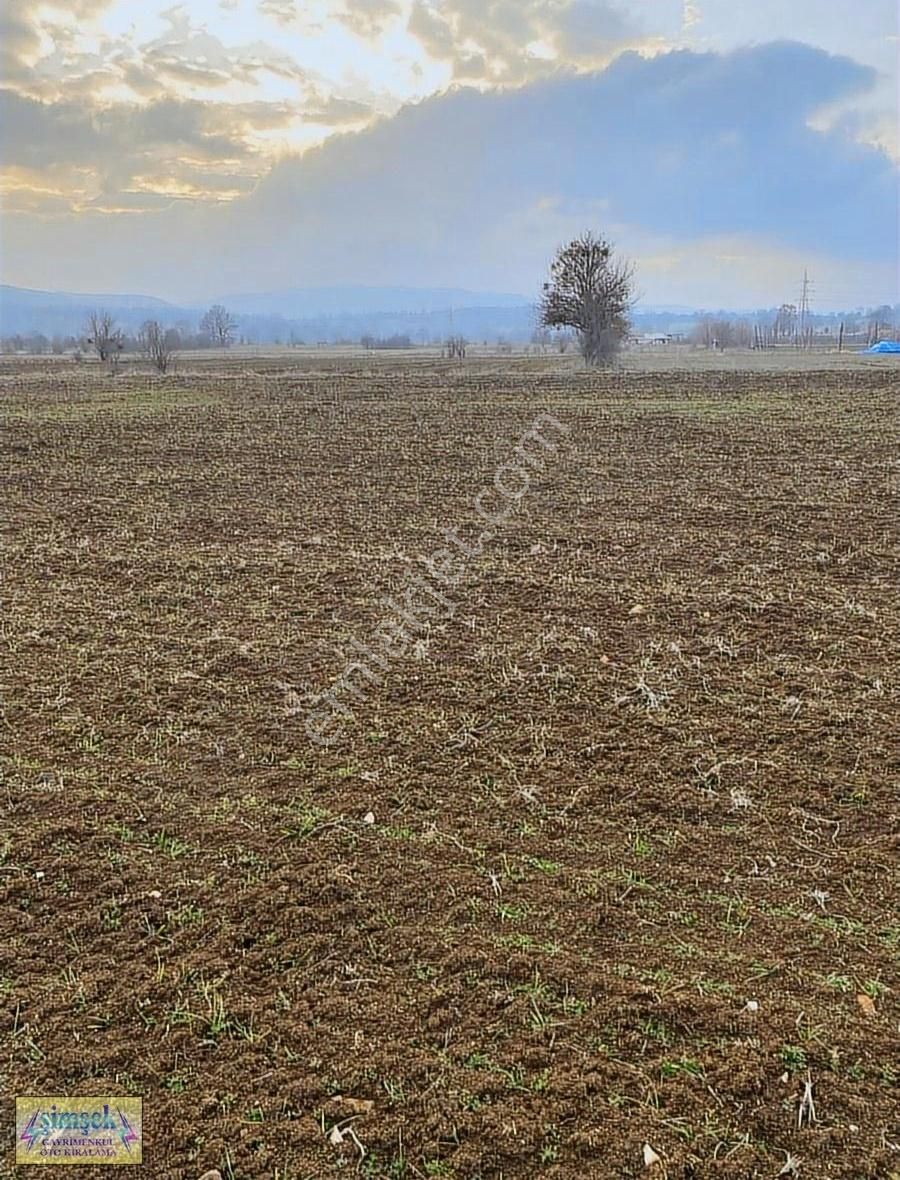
[{"x": 807, "y": 1105}]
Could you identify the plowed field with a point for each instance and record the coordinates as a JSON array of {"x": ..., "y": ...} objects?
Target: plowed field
[{"x": 607, "y": 859}]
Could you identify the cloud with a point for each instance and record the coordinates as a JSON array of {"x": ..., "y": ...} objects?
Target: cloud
[
  {"x": 283, "y": 11},
  {"x": 510, "y": 41},
  {"x": 92, "y": 150},
  {"x": 587, "y": 30},
  {"x": 37, "y": 133},
  {"x": 103, "y": 150},
  {"x": 691, "y": 14},
  {"x": 21, "y": 26},
  {"x": 69, "y": 124},
  {"x": 193, "y": 55},
  {"x": 185, "y": 59},
  {"x": 330, "y": 111},
  {"x": 368, "y": 18},
  {"x": 685, "y": 143},
  {"x": 19, "y": 40},
  {"x": 705, "y": 158}
]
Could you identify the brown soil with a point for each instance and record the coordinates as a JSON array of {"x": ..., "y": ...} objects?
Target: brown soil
[{"x": 644, "y": 775}]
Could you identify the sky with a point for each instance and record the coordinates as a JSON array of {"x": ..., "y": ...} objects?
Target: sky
[{"x": 194, "y": 149}]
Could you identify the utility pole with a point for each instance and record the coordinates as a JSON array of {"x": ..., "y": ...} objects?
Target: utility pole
[{"x": 803, "y": 314}]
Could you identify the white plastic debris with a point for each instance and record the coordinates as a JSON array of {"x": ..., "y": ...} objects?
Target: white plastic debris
[
  {"x": 369, "y": 817},
  {"x": 651, "y": 1158}
]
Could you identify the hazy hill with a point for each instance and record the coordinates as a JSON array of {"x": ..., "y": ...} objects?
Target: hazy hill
[
  {"x": 65, "y": 312},
  {"x": 314, "y": 302},
  {"x": 304, "y": 311},
  {"x": 25, "y": 297}
]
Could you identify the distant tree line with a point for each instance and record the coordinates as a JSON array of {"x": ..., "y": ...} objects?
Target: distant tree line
[
  {"x": 785, "y": 326},
  {"x": 105, "y": 339},
  {"x": 587, "y": 303},
  {"x": 375, "y": 342}
]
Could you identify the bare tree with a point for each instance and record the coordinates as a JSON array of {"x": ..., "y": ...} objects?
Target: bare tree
[
  {"x": 719, "y": 334},
  {"x": 785, "y": 321},
  {"x": 104, "y": 337},
  {"x": 542, "y": 337},
  {"x": 723, "y": 334},
  {"x": 219, "y": 324},
  {"x": 880, "y": 324},
  {"x": 456, "y": 347},
  {"x": 156, "y": 344},
  {"x": 589, "y": 291},
  {"x": 703, "y": 333}
]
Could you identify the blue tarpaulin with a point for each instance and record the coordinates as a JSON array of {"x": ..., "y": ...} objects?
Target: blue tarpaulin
[{"x": 885, "y": 346}]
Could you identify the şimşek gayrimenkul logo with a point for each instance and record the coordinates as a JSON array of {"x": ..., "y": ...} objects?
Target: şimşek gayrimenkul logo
[{"x": 80, "y": 1130}]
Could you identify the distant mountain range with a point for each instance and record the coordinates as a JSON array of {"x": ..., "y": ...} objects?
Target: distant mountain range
[
  {"x": 313, "y": 302},
  {"x": 26, "y": 298},
  {"x": 64, "y": 312},
  {"x": 271, "y": 313},
  {"x": 299, "y": 313}
]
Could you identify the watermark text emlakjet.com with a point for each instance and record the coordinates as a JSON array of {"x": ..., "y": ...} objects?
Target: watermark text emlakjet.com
[{"x": 424, "y": 600}]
